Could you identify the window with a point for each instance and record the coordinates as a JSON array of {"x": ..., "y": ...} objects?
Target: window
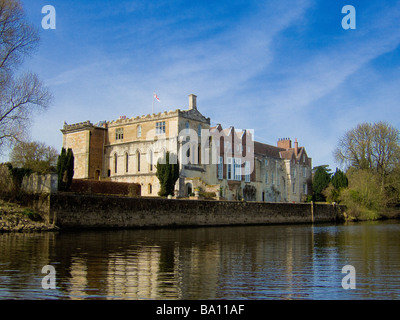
[
  {"x": 150, "y": 189},
  {"x": 160, "y": 127},
  {"x": 199, "y": 154},
  {"x": 220, "y": 168},
  {"x": 266, "y": 177},
  {"x": 199, "y": 130},
  {"x": 266, "y": 162},
  {"x": 304, "y": 188},
  {"x": 126, "y": 162},
  {"x": 238, "y": 169},
  {"x": 294, "y": 187},
  {"x": 247, "y": 171},
  {"x": 138, "y": 161},
  {"x": 234, "y": 169},
  {"x": 304, "y": 172},
  {"x": 187, "y": 127},
  {"x": 229, "y": 168},
  {"x": 115, "y": 163},
  {"x": 294, "y": 173},
  {"x": 139, "y": 131},
  {"x": 119, "y": 134}
]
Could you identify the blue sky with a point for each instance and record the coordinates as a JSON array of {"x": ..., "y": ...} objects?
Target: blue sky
[{"x": 283, "y": 68}]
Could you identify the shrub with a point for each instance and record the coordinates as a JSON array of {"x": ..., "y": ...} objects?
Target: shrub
[
  {"x": 363, "y": 198},
  {"x": 207, "y": 195}
]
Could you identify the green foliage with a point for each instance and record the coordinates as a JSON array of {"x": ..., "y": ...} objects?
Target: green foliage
[
  {"x": 322, "y": 178},
  {"x": 65, "y": 169},
  {"x": 340, "y": 180},
  {"x": 331, "y": 194},
  {"x": 167, "y": 174},
  {"x": 371, "y": 153},
  {"x": 363, "y": 197},
  {"x": 18, "y": 174},
  {"x": 207, "y": 195},
  {"x": 12, "y": 180}
]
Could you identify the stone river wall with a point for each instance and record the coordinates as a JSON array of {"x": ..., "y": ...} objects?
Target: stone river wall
[{"x": 68, "y": 210}]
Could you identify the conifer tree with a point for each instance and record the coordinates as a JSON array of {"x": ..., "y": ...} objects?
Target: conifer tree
[
  {"x": 339, "y": 180},
  {"x": 167, "y": 173},
  {"x": 65, "y": 169},
  {"x": 322, "y": 178}
]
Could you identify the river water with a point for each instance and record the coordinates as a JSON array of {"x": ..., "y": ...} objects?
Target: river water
[{"x": 251, "y": 262}]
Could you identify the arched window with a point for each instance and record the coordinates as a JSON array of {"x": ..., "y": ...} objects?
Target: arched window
[
  {"x": 115, "y": 163},
  {"x": 126, "y": 162}
]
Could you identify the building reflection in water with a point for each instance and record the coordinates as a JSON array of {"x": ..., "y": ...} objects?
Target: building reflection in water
[{"x": 259, "y": 262}]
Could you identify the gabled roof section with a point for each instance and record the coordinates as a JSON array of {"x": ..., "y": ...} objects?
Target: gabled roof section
[
  {"x": 267, "y": 150},
  {"x": 194, "y": 114}
]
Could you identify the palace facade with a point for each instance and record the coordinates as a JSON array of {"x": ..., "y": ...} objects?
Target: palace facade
[{"x": 218, "y": 160}]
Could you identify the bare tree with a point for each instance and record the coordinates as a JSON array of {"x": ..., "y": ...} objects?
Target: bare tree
[
  {"x": 370, "y": 146},
  {"x": 19, "y": 96},
  {"x": 36, "y": 156}
]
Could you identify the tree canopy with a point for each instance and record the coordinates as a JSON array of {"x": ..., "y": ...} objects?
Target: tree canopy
[
  {"x": 370, "y": 146},
  {"x": 33, "y": 155},
  {"x": 370, "y": 153}
]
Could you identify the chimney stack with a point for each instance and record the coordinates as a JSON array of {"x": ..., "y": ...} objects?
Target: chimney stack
[
  {"x": 192, "y": 101},
  {"x": 296, "y": 147},
  {"x": 285, "y": 143}
]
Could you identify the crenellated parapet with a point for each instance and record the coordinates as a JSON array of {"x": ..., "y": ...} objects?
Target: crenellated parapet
[
  {"x": 148, "y": 117},
  {"x": 86, "y": 125}
]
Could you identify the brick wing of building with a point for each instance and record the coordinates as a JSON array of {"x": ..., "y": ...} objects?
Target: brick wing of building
[{"x": 226, "y": 162}]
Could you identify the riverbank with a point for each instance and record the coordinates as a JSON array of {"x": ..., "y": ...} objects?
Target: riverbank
[{"x": 18, "y": 218}]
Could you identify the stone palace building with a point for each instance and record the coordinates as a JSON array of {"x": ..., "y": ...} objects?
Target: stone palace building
[{"x": 219, "y": 160}]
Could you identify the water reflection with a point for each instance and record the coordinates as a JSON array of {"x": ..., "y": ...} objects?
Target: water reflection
[{"x": 257, "y": 262}]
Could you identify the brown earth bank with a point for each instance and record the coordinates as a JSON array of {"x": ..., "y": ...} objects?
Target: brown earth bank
[{"x": 18, "y": 218}]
